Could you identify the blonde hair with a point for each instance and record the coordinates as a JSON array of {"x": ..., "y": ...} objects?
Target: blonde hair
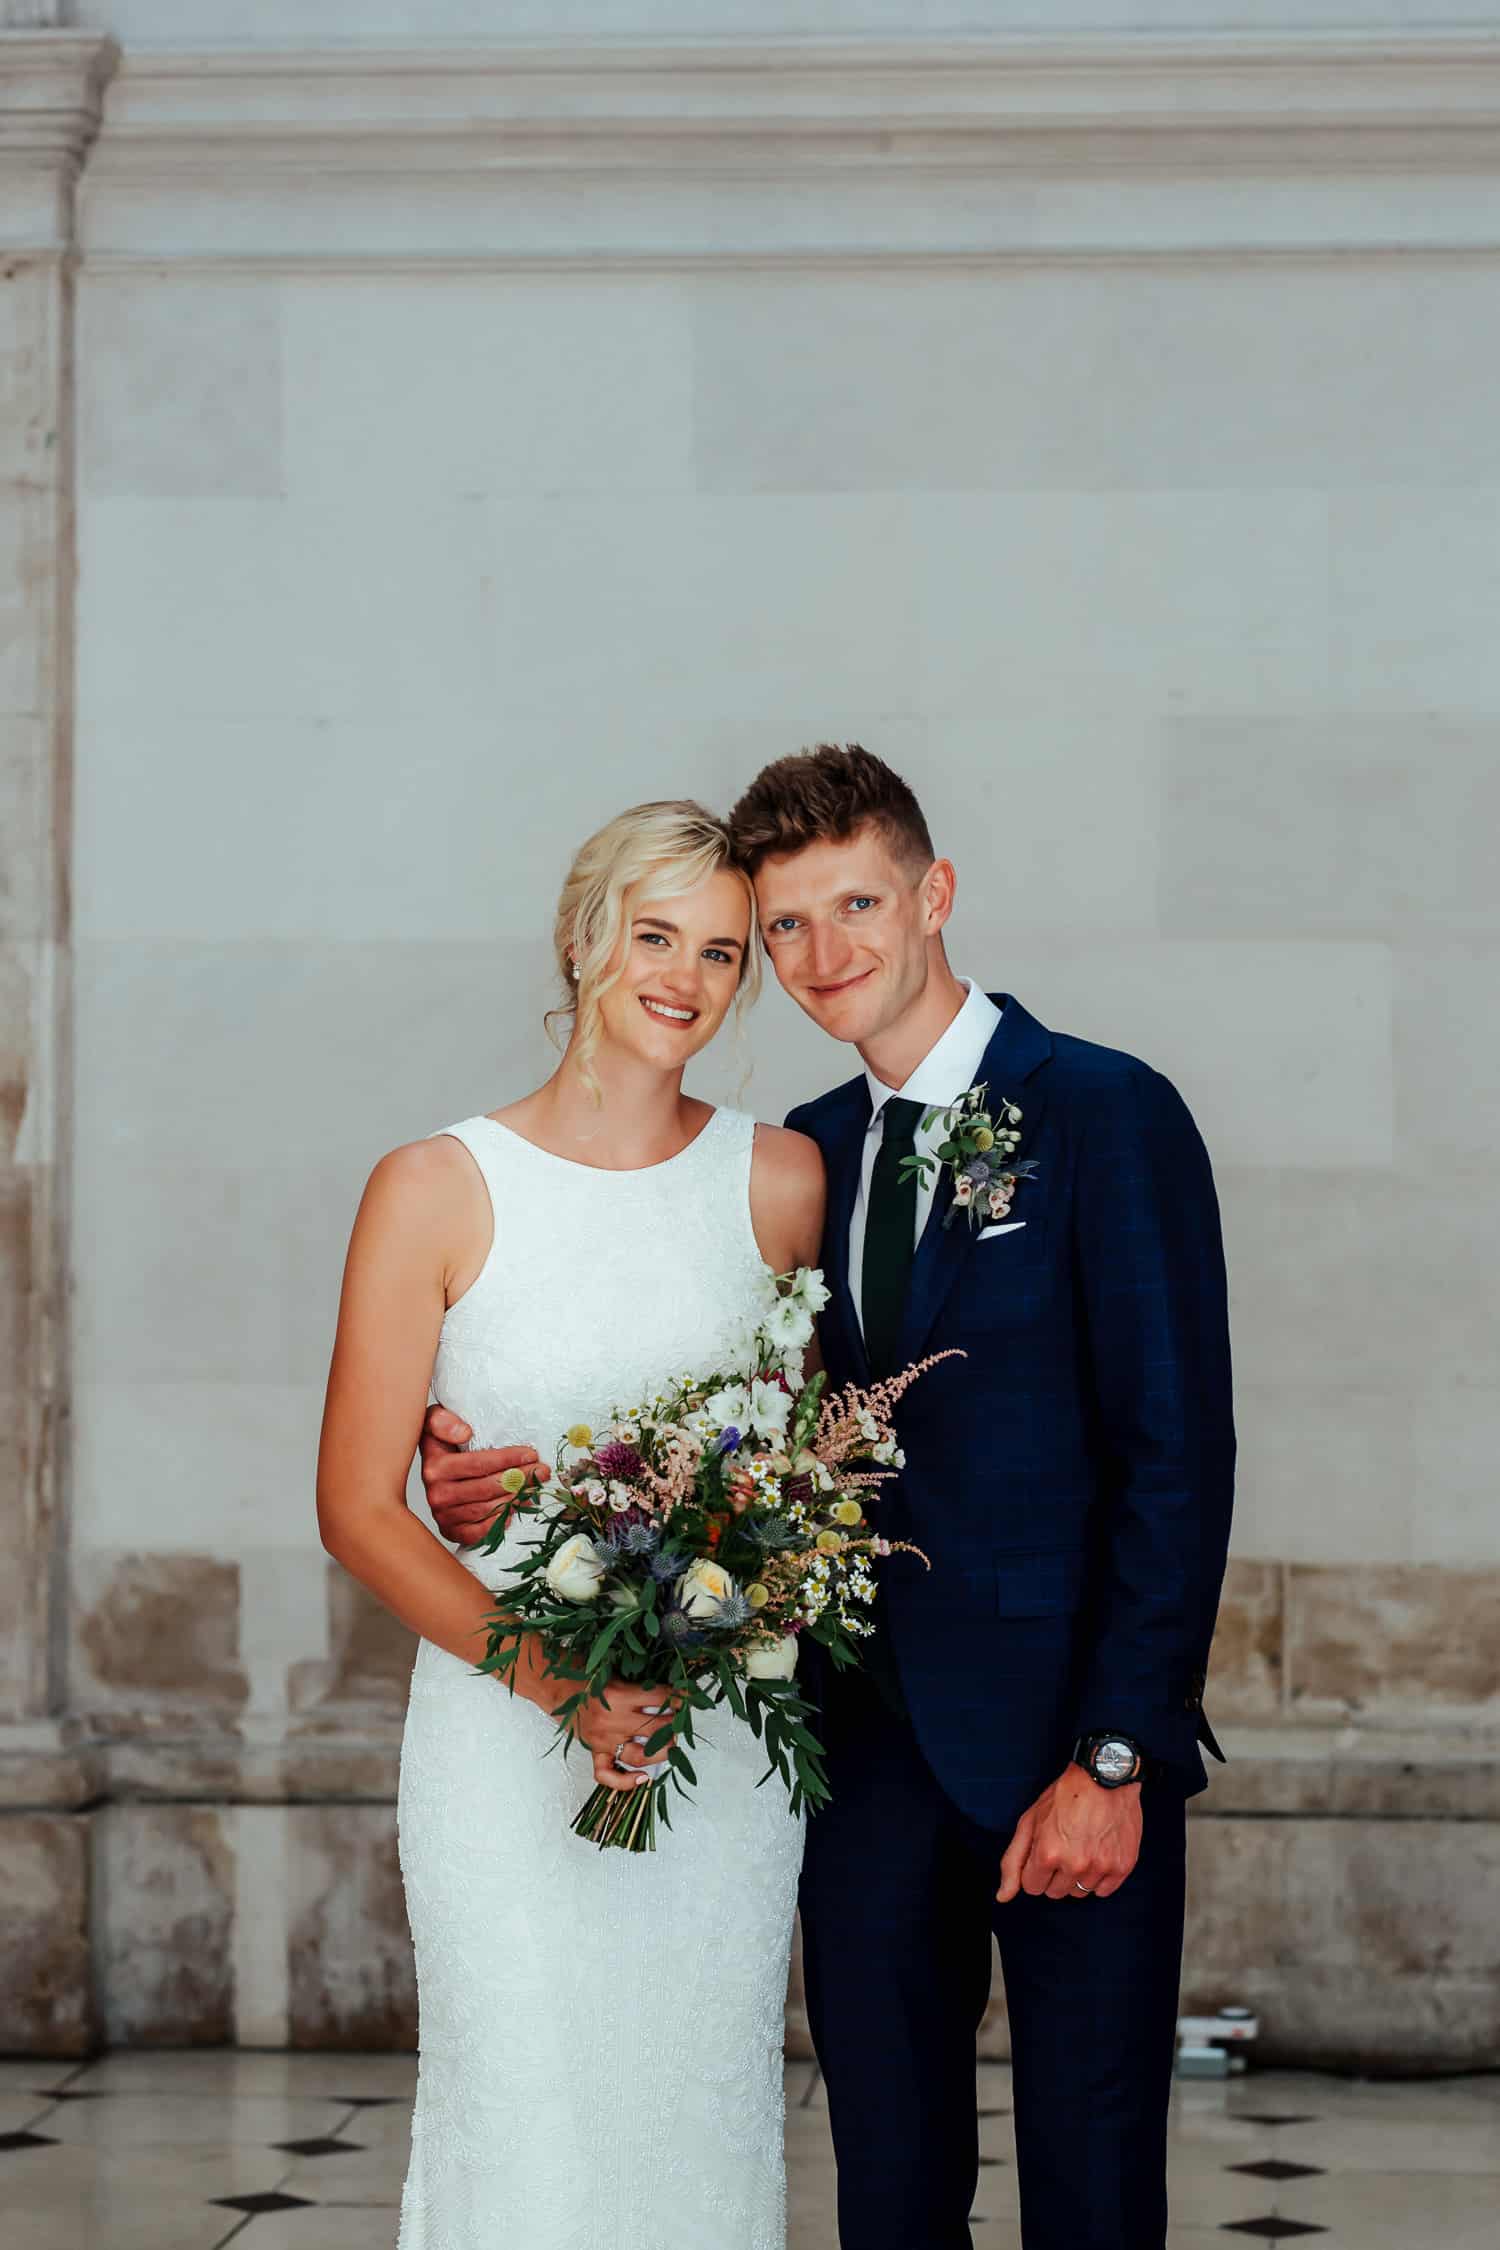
[{"x": 672, "y": 846}]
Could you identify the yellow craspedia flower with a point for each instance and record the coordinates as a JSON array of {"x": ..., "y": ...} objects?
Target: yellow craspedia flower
[
  {"x": 757, "y": 1595},
  {"x": 847, "y": 1511},
  {"x": 580, "y": 1435},
  {"x": 984, "y": 1139},
  {"x": 513, "y": 1480},
  {"x": 828, "y": 1543}
]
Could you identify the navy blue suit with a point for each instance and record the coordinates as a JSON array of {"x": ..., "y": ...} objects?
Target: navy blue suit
[{"x": 1070, "y": 1480}]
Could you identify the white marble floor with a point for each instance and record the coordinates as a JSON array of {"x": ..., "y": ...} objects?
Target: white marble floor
[{"x": 306, "y": 2152}]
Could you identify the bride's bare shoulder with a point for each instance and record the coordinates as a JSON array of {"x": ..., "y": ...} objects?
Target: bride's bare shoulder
[
  {"x": 422, "y": 1183},
  {"x": 790, "y": 1165},
  {"x": 784, "y": 1150}
]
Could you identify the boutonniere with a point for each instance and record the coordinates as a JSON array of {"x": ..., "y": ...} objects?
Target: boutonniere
[{"x": 978, "y": 1149}]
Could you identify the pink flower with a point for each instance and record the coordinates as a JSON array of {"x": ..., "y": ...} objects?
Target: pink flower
[
  {"x": 999, "y": 1202},
  {"x": 963, "y": 1191}
]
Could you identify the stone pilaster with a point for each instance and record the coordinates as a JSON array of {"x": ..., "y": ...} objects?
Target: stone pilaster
[
  {"x": 51, "y": 84},
  {"x": 50, "y": 89}
]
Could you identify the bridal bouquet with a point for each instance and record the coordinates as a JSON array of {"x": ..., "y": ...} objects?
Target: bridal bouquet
[{"x": 695, "y": 1541}]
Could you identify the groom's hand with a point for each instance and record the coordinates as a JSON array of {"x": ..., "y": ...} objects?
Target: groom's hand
[
  {"x": 1077, "y": 1840},
  {"x": 463, "y": 1489}
]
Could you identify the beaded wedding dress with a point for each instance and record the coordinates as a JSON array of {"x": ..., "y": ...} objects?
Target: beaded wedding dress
[{"x": 600, "y": 2061}]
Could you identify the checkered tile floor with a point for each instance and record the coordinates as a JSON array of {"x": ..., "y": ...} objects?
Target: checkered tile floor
[{"x": 306, "y": 2152}]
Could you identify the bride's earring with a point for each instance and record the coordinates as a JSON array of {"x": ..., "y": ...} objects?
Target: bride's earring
[{"x": 577, "y": 972}]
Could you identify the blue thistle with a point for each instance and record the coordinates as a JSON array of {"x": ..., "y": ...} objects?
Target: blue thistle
[
  {"x": 731, "y": 1440},
  {"x": 638, "y": 1538},
  {"x": 770, "y": 1531}
]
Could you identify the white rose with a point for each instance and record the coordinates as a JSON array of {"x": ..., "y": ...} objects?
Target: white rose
[
  {"x": 703, "y": 1589},
  {"x": 575, "y": 1571},
  {"x": 776, "y": 1663},
  {"x": 729, "y": 1408},
  {"x": 770, "y": 1409}
]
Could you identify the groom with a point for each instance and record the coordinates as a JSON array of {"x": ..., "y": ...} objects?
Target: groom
[{"x": 1017, "y": 1753}]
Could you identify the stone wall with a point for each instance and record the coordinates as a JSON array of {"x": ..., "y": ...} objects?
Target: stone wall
[{"x": 1101, "y": 431}]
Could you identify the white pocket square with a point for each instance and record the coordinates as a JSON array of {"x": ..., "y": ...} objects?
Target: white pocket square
[{"x": 1011, "y": 1226}]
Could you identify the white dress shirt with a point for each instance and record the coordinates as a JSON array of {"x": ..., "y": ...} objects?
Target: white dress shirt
[{"x": 945, "y": 1071}]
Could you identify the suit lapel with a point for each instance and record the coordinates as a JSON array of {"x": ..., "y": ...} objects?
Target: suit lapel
[
  {"x": 1020, "y": 1046},
  {"x": 842, "y": 1155}
]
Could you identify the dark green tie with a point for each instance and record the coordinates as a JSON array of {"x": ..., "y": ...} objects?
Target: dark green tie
[{"x": 890, "y": 1234}]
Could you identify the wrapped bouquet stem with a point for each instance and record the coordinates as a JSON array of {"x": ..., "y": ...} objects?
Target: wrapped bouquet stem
[{"x": 696, "y": 1543}]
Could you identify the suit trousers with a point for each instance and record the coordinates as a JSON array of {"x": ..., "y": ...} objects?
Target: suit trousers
[{"x": 898, "y": 1905}]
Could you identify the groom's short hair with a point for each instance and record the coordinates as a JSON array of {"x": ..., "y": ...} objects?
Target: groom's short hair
[{"x": 826, "y": 795}]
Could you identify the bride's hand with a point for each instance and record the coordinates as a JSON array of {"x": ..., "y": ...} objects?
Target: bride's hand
[{"x": 610, "y": 1731}]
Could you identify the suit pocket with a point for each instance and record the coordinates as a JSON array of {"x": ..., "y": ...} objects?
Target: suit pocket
[
  {"x": 1010, "y": 1226},
  {"x": 1038, "y": 1585}
]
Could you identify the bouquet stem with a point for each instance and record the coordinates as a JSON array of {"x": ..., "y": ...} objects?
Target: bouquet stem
[{"x": 623, "y": 1818}]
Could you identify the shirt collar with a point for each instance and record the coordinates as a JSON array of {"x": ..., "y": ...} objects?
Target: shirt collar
[{"x": 948, "y": 1068}]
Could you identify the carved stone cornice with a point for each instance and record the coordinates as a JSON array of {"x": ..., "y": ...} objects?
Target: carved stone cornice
[
  {"x": 51, "y": 97},
  {"x": 805, "y": 151}
]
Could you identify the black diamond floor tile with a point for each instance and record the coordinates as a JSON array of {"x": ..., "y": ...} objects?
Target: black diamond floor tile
[
  {"x": 1277, "y": 2168},
  {"x": 322, "y": 2145},
  {"x": 27, "y": 2140},
  {"x": 1270, "y": 2230},
  {"x": 1265, "y": 2117},
  {"x": 370, "y": 2101},
  {"x": 994, "y": 2113},
  {"x": 259, "y": 2203},
  {"x": 71, "y": 2093}
]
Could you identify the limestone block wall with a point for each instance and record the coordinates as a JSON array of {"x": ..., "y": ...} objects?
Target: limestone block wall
[{"x": 467, "y": 443}]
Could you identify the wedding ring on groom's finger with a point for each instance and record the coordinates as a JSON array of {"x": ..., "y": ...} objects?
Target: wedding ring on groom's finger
[{"x": 1083, "y": 1890}]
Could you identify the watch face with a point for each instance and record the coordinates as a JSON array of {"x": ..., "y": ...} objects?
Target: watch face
[{"x": 1114, "y": 1760}]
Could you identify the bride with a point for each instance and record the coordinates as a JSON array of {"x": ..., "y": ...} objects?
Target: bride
[{"x": 600, "y": 2061}]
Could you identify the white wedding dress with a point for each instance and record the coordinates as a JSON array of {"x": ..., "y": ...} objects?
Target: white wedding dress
[{"x": 600, "y": 2035}]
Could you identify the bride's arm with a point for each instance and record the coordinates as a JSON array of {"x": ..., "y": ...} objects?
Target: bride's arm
[
  {"x": 408, "y": 1238},
  {"x": 787, "y": 1195}
]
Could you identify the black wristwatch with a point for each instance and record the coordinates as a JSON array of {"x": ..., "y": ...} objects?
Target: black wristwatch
[{"x": 1113, "y": 1760}]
